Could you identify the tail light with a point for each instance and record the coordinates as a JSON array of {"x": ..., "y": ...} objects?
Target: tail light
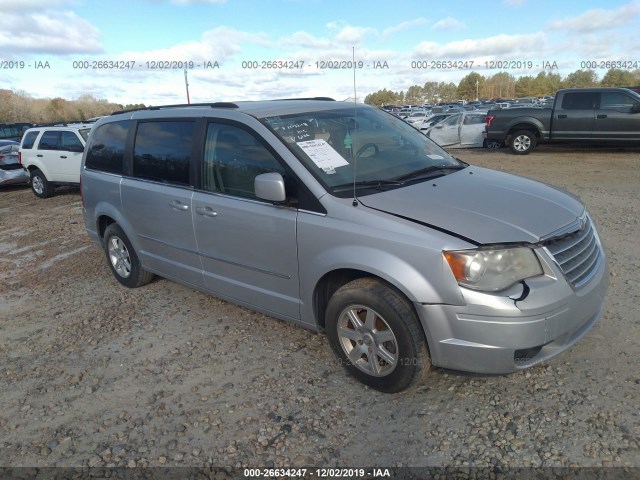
[
  {"x": 20, "y": 157},
  {"x": 488, "y": 120}
]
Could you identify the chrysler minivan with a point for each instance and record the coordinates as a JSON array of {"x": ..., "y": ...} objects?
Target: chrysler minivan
[{"x": 343, "y": 218}]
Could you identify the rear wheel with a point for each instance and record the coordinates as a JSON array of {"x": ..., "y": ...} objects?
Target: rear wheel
[
  {"x": 41, "y": 187},
  {"x": 523, "y": 142},
  {"x": 122, "y": 259},
  {"x": 375, "y": 333}
]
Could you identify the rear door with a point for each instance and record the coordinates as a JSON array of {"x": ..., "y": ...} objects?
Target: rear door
[
  {"x": 574, "y": 118},
  {"x": 157, "y": 198},
  {"x": 617, "y": 117},
  {"x": 447, "y": 132},
  {"x": 472, "y": 129},
  {"x": 70, "y": 151},
  {"x": 247, "y": 246}
]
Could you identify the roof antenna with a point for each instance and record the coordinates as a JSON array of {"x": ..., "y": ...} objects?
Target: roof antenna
[{"x": 355, "y": 123}]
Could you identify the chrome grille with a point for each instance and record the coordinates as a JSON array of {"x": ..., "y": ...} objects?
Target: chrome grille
[{"x": 577, "y": 253}]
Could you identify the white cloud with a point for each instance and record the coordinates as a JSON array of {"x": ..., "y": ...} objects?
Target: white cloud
[
  {"x": 194, "y": 2},
  {"x": 404, "y": 26},
  {"x": 515, "y": 3},
  {"x": 599, "y": 19},
  {"x": 349, "y": 34},
  {"x": 22, "y": 6},
  {"x": 450, "y": 24},
  {"x": 305, "y": 40},
  {"x": 48, "y": 32},
  {"x": 499, "y": 45}
]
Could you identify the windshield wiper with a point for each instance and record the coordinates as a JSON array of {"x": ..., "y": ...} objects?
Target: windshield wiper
[
  {"x": 429, "y": 172},
  {"x": 367, "y": 184}
]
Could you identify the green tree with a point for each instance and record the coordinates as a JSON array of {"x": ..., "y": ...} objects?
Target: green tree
[
  {"x": 414, "y": 95},
  {"x": 448, "y": 92},
  {"x": 383, "y": 97},
  {"x": 431, "y": 92},
  {"x": 618, "y": 78},
  {"x": 546, "y": 83},
  {"x": 500, "y": 85},
  {"x": 580, "y": 79},
  {"x": 524, "y": 86},
  {"x": 470, "y": 86}
]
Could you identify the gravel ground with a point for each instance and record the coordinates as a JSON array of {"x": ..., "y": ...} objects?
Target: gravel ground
[{"x": 93, "y": 374}]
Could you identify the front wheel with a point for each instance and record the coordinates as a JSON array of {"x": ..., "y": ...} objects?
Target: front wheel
[
  {"x": 375, "y": 333},
  {"x": 523, "y": 142},
  {"x": 123, "y": 261}
]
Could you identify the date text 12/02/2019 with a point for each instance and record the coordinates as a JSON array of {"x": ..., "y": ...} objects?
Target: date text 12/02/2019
[{"x": 487, "y": 65}]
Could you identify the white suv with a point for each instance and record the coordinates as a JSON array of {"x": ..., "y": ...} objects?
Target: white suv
[{"x": 52, "y": 155}]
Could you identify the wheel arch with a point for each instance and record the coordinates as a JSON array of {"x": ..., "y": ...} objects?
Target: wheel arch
[
  {"x": 525, "y": 126},
  {"x": 333, "y": 280}
]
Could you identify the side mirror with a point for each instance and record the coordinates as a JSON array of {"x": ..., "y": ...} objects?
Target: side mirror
[
  {"x": 270, "y": 186},
  {"x": 635, "y": 108}
]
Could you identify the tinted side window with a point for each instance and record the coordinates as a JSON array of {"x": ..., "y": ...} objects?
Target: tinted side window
[
  {"x": 69, "y": 141},
  {"x": 616, "y": 101},
  {"x": 233, "y": 157},
  {"x": 106, "y": 149},
  {"x": 162, "y": 151},
  {"x": 29, "y": 139},
  {"x": 48, "y": 141},
  {"x": 579, "y": 101}
]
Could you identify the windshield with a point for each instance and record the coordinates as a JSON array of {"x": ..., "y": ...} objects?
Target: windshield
[{"x": 384, "y": 149}]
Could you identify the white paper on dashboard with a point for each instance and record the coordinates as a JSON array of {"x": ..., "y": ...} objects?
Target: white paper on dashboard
[{"x": 323, "y": 155}]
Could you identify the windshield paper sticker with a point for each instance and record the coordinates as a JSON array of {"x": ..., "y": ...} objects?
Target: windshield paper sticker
[
  {"x": 435, "y": 157},
  {"x": 323, "y": 155}
]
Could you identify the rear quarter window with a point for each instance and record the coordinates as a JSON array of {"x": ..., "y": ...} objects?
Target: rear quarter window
[
  {"x": 106, "y": 148},
  {"x": 29, "y": 139}
]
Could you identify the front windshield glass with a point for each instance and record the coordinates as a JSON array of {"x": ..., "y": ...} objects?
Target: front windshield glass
[{"x": 385, "y": 151}]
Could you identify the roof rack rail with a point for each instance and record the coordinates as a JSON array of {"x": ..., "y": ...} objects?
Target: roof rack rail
[
  {"x": 325, "y": 99},
  {"x": 180, "y": 105},
  {"x": 63, "y": 124}
]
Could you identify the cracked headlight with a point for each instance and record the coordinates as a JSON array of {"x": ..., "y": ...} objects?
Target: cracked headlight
[{"x": 492, "y": 269}]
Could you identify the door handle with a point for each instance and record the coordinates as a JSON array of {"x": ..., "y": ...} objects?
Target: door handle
[
  {"x": 601, "y": 116},
  {"x": 206, "y": 211},
  {"x": 562, "y": 116},
  {"x": 178, "y": 205},
  {"x": 39, "y": 155},
  {"x": 63, "y": 156}
]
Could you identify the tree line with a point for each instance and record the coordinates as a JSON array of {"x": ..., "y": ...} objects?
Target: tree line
[
  {"x": 21, "y": 107},
  {"x": 501, "y": 85}
]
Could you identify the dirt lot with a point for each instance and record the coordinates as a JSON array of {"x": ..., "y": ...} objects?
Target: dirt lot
[{"x": 93, "y": 374}]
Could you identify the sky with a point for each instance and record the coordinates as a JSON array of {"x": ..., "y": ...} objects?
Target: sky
[{"x": 145, "y": 51}]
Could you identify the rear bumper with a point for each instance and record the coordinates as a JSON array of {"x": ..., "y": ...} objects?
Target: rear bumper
[
  {"x": 14, "y": 177},
  {"x": 497, "y": 334}
]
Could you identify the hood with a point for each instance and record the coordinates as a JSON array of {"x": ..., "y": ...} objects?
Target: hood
[{"x": 483, "y": 205}]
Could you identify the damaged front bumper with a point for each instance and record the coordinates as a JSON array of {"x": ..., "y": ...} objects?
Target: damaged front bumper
[{"x": 517, "y": 328}]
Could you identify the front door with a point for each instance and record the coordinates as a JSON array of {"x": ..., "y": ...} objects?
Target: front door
[
  {"x": 617, "y": 117},
  {"x": 247, "y": 246}
]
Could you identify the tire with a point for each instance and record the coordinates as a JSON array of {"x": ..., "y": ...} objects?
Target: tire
[
  {"x": 523, "y": 142},
  {"x": 366, "y": 316},
  {"x": 122, "y": 258},
  {"x": 40, "y": 186}
]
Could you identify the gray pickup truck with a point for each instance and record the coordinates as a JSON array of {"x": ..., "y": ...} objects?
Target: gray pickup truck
[{"x": 597, "y": 115}]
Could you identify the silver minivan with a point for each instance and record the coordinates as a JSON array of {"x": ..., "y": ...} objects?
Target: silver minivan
[{"x": 343, "y": 218}]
